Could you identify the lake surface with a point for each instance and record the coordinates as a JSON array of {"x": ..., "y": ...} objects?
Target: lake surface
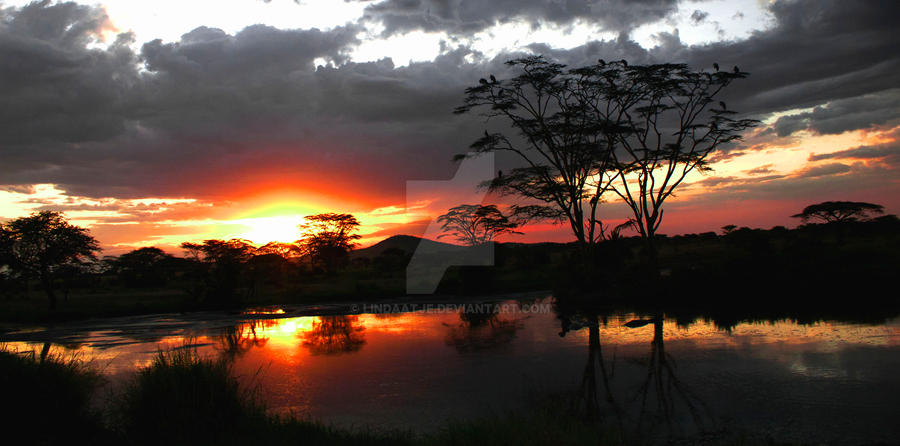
[{"x": 392, "y": 367}]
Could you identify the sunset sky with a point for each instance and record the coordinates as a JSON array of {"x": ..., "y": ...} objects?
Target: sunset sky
[{"x": 154, "y": 123}]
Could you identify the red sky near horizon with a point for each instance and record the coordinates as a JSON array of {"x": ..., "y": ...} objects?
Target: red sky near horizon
[{"x": 267, "y": 211}]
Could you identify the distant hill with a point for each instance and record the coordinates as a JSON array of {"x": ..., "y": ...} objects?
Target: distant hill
[{"x": 406, "y": 243}]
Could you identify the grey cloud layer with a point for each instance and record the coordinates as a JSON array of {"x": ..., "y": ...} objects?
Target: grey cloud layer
[
  {"x": 471, "y": 16},
  {"x": 213, "y": 112},
  {"x": 842, "y": 115}
]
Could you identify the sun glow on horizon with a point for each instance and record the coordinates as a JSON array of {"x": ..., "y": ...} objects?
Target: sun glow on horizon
[{"x": 272, "y": 229}]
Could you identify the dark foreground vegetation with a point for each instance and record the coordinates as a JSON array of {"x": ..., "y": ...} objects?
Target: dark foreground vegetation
[
  {"x": 810, "y": 270},
  {"x": 184, "y": 399}
]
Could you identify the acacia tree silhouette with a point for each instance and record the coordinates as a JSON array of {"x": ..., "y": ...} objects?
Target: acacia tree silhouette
[
  {"x": 283, "y": 250},
  {"x": 222, "y": 266},
  {"x": 329, "y": 238},
  {"x": 562, "y": 149},
  {"x": 142, "y": 267},
  {"x": 662, "y": 122},
  {"x": 637, "y": 130},
  {"x": 474, "y": 224},
  {"x": 40, "y": 244},
  {"x": 839, "y": 211}
]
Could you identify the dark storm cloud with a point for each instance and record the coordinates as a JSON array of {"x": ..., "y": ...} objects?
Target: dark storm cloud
[
  {"x": 215, "y": 112},
  {"x": 823, "y": 170},
  {"x": 49, "y": 79},
  {"x": 813, "y": 53},
  {"x": 887, "y": 150},
  {"x": 470, "y": 16},
  {"x": 842, "y": 115},
  {"x": 817, "y": 51}
]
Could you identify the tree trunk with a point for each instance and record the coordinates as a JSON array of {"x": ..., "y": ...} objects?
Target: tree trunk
[
  {"x": 45, "y": 351},
  {"x": 589, "y": 379},
  {"x": 652, "y": 258},
  {"x": 47, "y": 284}
]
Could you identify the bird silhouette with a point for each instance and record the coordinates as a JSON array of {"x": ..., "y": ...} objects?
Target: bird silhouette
[
  {"x": 493, "y": 79},
  {"x": 486, "y": 134},
  {"x": 722, "y": 104},
  {"x": 736, "y": 69},
  {"x": 716, "y": 66},
  {"x": 499, "y": 174},
  {"x": 601, "y": 61}
]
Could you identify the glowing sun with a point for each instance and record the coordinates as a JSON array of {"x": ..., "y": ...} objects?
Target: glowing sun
[{"x": 271, "y": 229}]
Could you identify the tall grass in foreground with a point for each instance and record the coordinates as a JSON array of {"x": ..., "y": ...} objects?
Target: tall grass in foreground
[
  {"x": 46, "y": 398},
  {"x": 182, "y": 398}
]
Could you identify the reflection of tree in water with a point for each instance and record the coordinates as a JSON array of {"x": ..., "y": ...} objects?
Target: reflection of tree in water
[
  {"x": 333, "y": 335},
  {"x": 669, "y": 393},
  {"x": 658, "y": 402},
  {"x": 235, "y": 340},
  {"x": 481, "y": 330}
]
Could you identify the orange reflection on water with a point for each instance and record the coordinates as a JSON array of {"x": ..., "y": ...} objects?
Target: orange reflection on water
[{"x": 706, "y": 334}]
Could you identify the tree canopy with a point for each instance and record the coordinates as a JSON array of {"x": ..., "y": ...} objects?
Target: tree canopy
[
  {"x": 662, "y": 121},
  {"x": 143, "y": 266},
  {"x": 839, "y": 211},
  {"x": 221, "y": 266},
  {"x": 329, "y": 238},
  {"x": 561, "y": 149},
  {"x": 635, "y": 130},
  {"x": 474, "y": 224},
  {"x": 40, "y": 244}
]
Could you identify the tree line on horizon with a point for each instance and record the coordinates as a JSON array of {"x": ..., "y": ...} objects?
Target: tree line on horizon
[
  {"x": 46, "y": 248},
  {"x": 58, "y": 256}
]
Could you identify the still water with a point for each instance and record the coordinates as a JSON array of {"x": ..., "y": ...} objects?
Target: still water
[{"x": 417, "y": 367}]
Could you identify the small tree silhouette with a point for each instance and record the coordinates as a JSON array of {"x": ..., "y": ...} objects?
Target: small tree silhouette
[
  {"x": 839, "y": 211},
  {"x": 222, "y": 266},
  {"x": 41, "y": 244},
  {"x": 473, "y": 224},
  {"x": 329, "y": 238}
]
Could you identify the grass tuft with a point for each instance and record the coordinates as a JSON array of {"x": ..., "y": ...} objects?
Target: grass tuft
[{"x": 47, "y": 397}]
